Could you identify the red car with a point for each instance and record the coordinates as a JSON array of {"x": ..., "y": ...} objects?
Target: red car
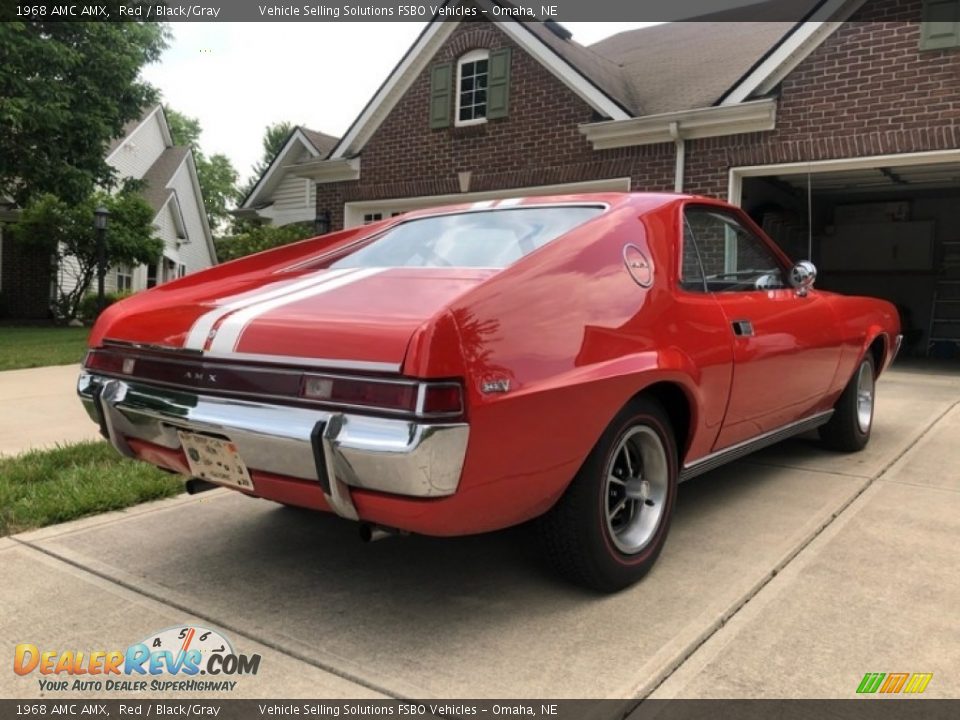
[{"x": 468, "y": 368}]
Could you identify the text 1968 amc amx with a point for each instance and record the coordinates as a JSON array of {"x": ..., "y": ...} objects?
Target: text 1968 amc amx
[{"x": 465, "y": 369}]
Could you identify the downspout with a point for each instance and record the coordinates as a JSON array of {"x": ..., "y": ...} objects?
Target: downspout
[{"x": 681, "y": 156}]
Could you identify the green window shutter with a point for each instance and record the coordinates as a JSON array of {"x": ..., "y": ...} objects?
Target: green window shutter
[
  {"x": 940, "y": 24},
  {"x": 441, "y": 83},
  {"x": 498, "y": 84}
]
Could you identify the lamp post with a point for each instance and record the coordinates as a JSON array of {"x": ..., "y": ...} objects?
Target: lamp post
[{"x": 100, "y": 216}]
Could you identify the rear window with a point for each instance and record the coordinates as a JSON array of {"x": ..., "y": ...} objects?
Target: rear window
[{"x": 487, "y": 239}]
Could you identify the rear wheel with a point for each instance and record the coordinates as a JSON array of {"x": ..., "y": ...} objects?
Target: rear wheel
[
  {"x": 608, "y": 528},
  {"x": 849, "y": 428}
]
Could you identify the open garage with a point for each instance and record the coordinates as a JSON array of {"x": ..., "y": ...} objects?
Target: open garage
[{"x": 887, "y": 226}]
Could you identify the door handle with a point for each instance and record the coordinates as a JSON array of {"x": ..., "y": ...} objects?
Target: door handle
[{"x": 743, "y": 328}]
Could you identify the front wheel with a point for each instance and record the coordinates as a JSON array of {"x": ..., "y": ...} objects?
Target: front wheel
[
  {"x": 849, "y": 428},
  {"x": 608, "y": 528}
]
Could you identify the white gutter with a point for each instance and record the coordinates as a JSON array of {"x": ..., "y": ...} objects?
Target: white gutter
[
  {"x": 325, "y": 171},
  {"x": 719, "y": 121}
]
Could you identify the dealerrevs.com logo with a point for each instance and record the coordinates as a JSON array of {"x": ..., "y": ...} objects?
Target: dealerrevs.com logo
[{"x": 185, "y": 658}]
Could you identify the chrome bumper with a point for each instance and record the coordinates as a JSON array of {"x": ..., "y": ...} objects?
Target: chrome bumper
[{"x": 335, "y": 449}]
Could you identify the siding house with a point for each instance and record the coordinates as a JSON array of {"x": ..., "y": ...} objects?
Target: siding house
[{"x": 145, "y": 151}]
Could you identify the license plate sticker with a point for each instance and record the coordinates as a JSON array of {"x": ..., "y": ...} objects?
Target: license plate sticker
[{"x": 215, "y": 459}]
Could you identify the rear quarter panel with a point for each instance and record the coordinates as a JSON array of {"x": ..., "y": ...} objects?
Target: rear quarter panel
[{"x": 575, "y": 337}]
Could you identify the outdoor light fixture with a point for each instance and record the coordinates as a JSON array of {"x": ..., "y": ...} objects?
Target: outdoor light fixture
[{"x": 100, "y": 216}]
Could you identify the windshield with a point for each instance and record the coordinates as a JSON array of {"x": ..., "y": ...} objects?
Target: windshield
[{"x": 487, "y": 239}]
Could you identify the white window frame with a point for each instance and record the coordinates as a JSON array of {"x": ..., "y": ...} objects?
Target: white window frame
[
  {"x": 125, "y": 271},
  {"x": 470, "y": 57}
]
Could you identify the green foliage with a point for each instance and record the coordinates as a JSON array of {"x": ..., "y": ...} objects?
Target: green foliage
[
  {"x": 260, "y": 237},
  {"x": 24, "y": 346},
  {"x": 67, "y": 233},
  {"x": 88, "y": 309},
  {"x": 218, "y": 178},
  {"x": 42, "y": 487},
  {"x": 67, "y": 89},
  {"x": 274, "y": 137}
]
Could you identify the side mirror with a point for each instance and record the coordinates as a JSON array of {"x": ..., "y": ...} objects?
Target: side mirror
[{"x": 802, "y": 276}]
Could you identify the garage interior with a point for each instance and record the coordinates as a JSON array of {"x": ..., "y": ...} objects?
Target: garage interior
[{"x": 889, "y": 232}]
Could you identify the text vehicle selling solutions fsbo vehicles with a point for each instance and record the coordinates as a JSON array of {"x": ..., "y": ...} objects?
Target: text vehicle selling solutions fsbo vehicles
[{"x": 469, "y": 368}]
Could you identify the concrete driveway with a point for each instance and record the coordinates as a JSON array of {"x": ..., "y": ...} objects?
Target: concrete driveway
[{"x": 789, "y": 574}]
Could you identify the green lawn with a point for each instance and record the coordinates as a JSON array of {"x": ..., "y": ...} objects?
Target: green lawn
[
  {"x": 43, "y": 487},
  {"x": 26, "y": 347}
]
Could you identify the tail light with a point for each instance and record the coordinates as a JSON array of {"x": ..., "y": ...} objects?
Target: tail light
[
  {"x": 109, "y": 362},
  {"x": 423, "y": 399}
]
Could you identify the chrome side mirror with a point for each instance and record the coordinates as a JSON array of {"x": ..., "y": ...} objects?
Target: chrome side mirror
[{"x": 802, "y": 276}]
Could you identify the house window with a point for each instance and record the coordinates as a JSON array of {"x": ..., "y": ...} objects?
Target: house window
[
  {"x": 151, "y": 275},
  {"x": 371, "y": 218},
  {"x": 472, "y": 73},
  {"x": 124, "y": 278}
]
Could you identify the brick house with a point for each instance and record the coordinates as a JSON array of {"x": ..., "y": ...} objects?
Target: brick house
[
  {"x": 30, "y": 278},
  {"x": 840, "y": 134}
]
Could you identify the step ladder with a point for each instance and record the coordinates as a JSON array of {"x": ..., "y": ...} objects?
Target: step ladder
[{"x": 944, "y": 334}]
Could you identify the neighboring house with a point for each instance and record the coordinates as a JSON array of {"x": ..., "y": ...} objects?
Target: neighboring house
[
  {"x": 145, "y": 151},
  {"x": 281, "y": 196},
  {"x": 859, "y": 105}
]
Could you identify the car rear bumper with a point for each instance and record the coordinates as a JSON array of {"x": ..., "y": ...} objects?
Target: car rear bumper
[{"x": 337, "y": 450}]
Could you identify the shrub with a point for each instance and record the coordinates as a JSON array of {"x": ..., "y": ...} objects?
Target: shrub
[{"x": 88, "y": 305}]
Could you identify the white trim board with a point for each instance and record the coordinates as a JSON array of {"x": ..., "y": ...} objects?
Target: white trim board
[
  {"x": 792, "y": 50},
  {"x": 737, "y": 174},
  {"x": 296, "y": 137},
  {"x": 353, "y": 212}
]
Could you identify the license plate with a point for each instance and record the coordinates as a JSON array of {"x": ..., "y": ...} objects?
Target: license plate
[{"x": 215, "y": 459}]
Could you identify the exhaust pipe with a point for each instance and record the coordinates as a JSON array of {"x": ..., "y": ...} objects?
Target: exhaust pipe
[
  {"x": 196, "y": 485},
  {"x": 371, "y": 533}
]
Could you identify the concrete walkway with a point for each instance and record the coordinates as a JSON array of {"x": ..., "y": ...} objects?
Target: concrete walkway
[
  {"x": 39, "y": 408},
  {"x": 789, "y": 574}
]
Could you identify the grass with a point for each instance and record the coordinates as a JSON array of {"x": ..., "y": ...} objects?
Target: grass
[
  {"x": 43, "y": 487},
  {"x": 27, "y": 347}
]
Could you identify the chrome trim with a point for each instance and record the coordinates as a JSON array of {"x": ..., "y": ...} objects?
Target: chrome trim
[
  {"x": 395, "y": 456},
  {"x": 741, "y": 449},
  {"x": 362, "y": 365}
]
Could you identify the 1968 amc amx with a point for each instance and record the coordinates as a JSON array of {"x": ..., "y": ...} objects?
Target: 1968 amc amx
[{"x": 468, "y": 368}]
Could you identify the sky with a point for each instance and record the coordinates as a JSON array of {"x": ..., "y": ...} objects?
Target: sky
[{"x": 237, "y": 78}]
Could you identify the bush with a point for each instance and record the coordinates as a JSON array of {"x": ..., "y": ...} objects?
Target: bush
[{"x": 88, "y": 305}]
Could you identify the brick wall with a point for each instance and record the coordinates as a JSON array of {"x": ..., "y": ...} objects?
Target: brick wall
[
  {"x": 537, "y": 144},
  {"x": 867, "y": 90}
]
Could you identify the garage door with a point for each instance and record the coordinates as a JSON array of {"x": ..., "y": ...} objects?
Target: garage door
[{"x": 887, "y": 226}]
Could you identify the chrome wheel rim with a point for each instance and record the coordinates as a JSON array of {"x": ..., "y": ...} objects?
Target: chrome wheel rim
[
  {"x": 865, "y": 398},
  {"x": 635, "y": 489}
]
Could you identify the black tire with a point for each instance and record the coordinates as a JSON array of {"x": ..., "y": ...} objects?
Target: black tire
[
  {"x": 846, "y": 431},
  {"x": 579, "y": 536}
]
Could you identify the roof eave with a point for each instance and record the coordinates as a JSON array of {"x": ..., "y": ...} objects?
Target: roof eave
[
  {"x": 326, "y": 171},
  {"x": 718, "y": 121}
]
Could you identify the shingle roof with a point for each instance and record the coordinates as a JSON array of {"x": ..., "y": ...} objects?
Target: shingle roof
[
  {"x": 321, "y": 141},
  {"x": 155, "y": 190},
  {"x": 685, "y": 65}
]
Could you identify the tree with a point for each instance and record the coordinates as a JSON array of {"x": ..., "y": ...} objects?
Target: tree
[
  {"x": 274, "y": 137},
  {"x": 66, "y": 232},
  {"x": 256, "y": 238},
  {"x": 218, "y": 178},
  {"x": 67, "y": 89}
]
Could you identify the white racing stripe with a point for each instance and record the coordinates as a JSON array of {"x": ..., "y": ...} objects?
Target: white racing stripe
[
  {"x": 200, "y": 332},
  {"x": 230, "y": 330}
]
